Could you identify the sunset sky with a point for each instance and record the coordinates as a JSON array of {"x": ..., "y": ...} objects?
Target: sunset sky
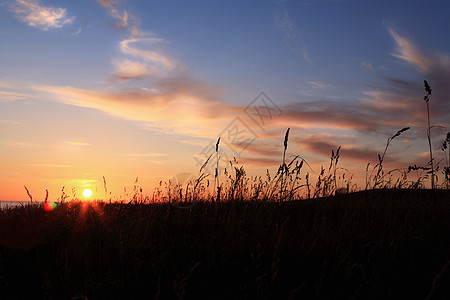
[{"x": 126, "y": 89}]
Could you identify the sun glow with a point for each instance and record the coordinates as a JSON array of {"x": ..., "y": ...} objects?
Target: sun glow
[{"x": 87, "y": 193}]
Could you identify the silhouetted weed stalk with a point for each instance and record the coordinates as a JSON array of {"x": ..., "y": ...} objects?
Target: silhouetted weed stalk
[
  {"x": 427, "y": 100},
  {"x": 283, "y": 165},
  {"x": 446, "y": 170},
  {"x": 378, "y": 179},
  {"x": 217, "y": 171}
]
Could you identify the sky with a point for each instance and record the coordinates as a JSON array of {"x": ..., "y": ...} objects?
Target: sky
[{"x": 138, "y": 92}]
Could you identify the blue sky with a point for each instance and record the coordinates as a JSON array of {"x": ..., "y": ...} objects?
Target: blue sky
[{"x": 123, "y": 89}]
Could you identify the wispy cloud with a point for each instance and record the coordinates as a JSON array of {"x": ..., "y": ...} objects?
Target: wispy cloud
[
  {"x": 320, "y": 85},
  {"x": 291, "y": 35},
  {"x": 323, "y": 145},
  {"x": 142, "y": 59},
  {"x": 120, "y": 16},
  {"x": 411, "y": 54},
  {"x": 10, "y": 92},
  {"x": 260, "y": 148},
  {"x": 181, "y": 104},
  {"x": 34, "y": 14},
  {"x": 8, "y": 96},
  {"x": 332, "y": 115},
  {"x": 130, "y": 47},
  {"x": 77, "y": 32},
  {"x": 24, "y": 145}
]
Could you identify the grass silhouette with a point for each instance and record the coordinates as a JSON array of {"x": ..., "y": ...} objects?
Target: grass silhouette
[{"x": 369, "y": 244}]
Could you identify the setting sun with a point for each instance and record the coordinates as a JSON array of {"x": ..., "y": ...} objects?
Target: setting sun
[{"x": 87, "y": 193}]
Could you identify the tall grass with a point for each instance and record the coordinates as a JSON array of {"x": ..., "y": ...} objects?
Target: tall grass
[
  {"x": 446, "y": 150},
  {"x": 427, "y": 100},
  {"x": 380, "y": 175}
]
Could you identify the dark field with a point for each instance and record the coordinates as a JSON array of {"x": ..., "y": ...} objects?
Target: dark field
[{"x": 380, "y": 244}]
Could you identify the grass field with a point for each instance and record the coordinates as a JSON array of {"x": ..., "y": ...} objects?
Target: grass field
[{"x": 364, "y": 245}]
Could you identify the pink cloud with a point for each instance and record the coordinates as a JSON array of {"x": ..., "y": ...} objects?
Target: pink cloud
[{"x": 34, "y": 14}]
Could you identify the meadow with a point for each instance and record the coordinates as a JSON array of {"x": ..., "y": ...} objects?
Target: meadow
[{"x": 369, "y": 244}]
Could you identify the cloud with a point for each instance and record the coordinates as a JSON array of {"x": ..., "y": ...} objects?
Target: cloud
[
  {"x": 77, "y": 32},
  {"x": 122, "y": 17},
  {"x": 259, "y": 162},
  {"x": 130, "y": 47},
  {"x": 140, "y": 62},
  {"x": 260, "y": 148},
  {"x": 107, "y": 3},
  {"x": 9, "y": 92},
  {"x": 291, "y": 36},
  {"x": 181, "y": 105},
  {"x": 324, "y": 146},
  {"x": 127, "y": 69},
  {"x": 320, "y": 85},
  {"x": 409, "y": 53},
  {"x": 333, "y": 115},
  {"x": 7, "y": 96},
  {"x": 34, "y": 14}
]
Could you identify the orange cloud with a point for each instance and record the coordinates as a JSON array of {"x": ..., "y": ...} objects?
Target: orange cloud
[{"x": 183, "y": 105}]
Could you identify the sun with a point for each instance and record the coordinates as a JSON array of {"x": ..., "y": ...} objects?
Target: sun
[{"x": 87, "y": 193}]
